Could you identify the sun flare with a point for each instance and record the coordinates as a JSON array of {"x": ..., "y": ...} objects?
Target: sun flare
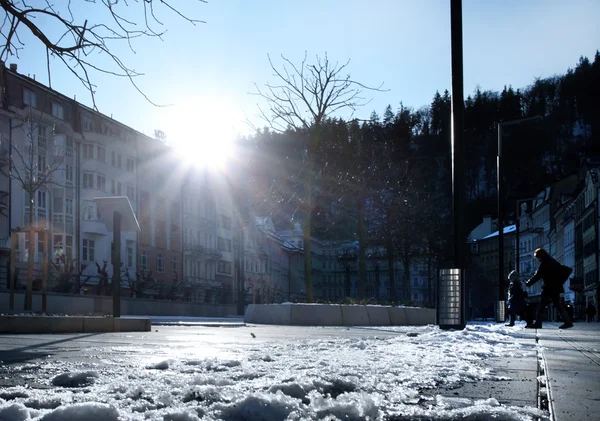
[{"x": 202, "y": 135}]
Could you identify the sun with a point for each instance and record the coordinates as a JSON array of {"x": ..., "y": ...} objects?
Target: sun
[{"x": 202, "y": 135}]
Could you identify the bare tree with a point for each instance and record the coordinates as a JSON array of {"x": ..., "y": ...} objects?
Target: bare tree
[
  {"x": 301, "y": 99},
  {"x": 37, "y": 163},
  {"x": 82, "y": 37}
]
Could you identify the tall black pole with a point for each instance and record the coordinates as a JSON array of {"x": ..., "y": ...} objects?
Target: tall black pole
[
  {"x": 500, "y": 189},
  {"x": 518, "y": 240},
  {"x": 457, "y": 129}
]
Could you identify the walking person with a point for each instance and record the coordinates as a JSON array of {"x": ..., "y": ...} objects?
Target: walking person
[
  {"x": 516, "y": 298},
  {"x": 554, "y": 275},
  {"x": 590, "y": 311}
]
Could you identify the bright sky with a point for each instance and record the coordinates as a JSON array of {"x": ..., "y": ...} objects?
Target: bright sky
[{"x": 208, "y": 70}]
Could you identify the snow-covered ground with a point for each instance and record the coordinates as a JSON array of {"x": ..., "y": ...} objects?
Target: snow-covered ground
[{"x": 374, "y": 375}]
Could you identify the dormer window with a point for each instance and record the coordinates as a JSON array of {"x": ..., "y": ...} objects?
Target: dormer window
[
  {"x": 88, "y": 124},
  {"x": 57, "y": 110},
  {"x": 29, "y": 98}
]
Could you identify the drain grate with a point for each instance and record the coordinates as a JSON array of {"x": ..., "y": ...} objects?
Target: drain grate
[{"x": 543, "y": 382}]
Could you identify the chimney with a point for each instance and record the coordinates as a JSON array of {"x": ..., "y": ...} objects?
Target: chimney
[{"x": 13, "y": 67}]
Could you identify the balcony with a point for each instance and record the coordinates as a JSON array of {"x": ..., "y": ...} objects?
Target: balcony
[
  {"x": 5, "y": 243},
  {"x": 94, "y": 226},
  {"x": 212, "y": 254},
  {"x": 193, "y": 247}
]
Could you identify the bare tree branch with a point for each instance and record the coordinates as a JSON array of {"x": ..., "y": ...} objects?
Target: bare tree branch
[{"x": 81, "y": 37}]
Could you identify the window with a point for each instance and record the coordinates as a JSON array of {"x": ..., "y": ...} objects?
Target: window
[
  {"x": 129, "y": 256},
  {"x": 131, "y": 192},
  {"x": 144, "y": 260},
  {"x": 57, "y": 110},
  {"x": 119, "y": 188},
  {"x": 41, "y": 199},
  {"x": 224, "y": 267},
  {"x": 88, "y": 250},
  {"x": 160, "y": 263},
  {"x": 118, "y": 161},
  {"x": 29, "y": 98},
  {"x": 113, "y": 187},
  {"x": 174, "y": 265},
  {"x": 41, "y": 164},
  {"x": 88, "y": 124},
  {"x": 57, "y": 244},
  {"x": 130, "y": 165},
  {"x": 226, "y": 222},
  {"x": 88, "y": 151},
  {"x": 69, "y": 174},
  {"x": 101, "y": 182},
  {"x": 101, "y": 153},
  {"x": 42, "y": 136},
  {"x": 68, "y": 206},
  {"x": 69, "y": 246},
  {"x": 69, "y": 149},
  {"x": 223, "y": 244},
  {"x": 88, "y": 180}
]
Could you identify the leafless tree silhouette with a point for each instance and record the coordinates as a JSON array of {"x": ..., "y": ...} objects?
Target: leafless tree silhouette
[
  {"x": 83, "y": 42},
  {"x": 301, "y": 99}
]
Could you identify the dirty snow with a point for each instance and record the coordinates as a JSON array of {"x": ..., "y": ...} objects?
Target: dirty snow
[{"x": 330, "y": 378}]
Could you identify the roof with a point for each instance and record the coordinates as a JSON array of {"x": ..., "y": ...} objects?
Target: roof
[
  {"x": 283, "y": 243},
  {"x": 507, "y": 230}
]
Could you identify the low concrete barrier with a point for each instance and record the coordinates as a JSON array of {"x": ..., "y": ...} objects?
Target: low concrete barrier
[
  {"x": 419, "y": 316},
  {"x": 315, "y": 315},
  {"x": 337, "y": 315},
  {"x": 354, "y": 315},
  {"x": 101, "y": 305},
  {"x": 64, "y": 324},
  {"x": 378, "y": 315},
  {"x": 397, "y": 316},
  {"x": 269, "y": 314}
]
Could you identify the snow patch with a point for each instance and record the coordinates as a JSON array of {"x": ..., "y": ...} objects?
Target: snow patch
[{"x": 81, "y": 379}]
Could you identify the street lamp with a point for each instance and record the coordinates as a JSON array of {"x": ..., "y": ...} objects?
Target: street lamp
[
  {"x": 120, "y": 219},
  {"x": 450, "y": 307},
  {"x": 500, "y": 189}
]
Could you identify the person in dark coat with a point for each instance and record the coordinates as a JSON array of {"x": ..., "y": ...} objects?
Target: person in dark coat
[
  {"x": 590, "y": 311},
  {"x": 516, "y": 298},
  {"x": 552, "y": 273}
]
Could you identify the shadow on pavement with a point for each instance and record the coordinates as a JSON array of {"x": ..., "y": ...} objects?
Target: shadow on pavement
[{"x": 29, "y": 353}]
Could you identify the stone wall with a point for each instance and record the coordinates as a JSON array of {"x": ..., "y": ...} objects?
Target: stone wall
[{"x": 102, "y": 305}]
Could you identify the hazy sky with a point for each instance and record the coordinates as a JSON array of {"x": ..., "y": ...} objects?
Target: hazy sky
[{"x": 208, "y": 70}]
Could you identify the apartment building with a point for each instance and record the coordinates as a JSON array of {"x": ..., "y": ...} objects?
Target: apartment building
[
  {"x": 73, "y": 154},
  {"x": 208, "y": 238},
  {"x": 160, "y": 215},
  {"x": 40, "y": 132},
  {"x": 108, "y": 165},
  {"x": 586, "y": 238}
]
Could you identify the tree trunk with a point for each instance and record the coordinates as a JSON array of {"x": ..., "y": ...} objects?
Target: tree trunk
[
  {"x": 307, "y": 224},
  {"x": 429, "y": 289},
  {"x": 362, "y": 255},
  {"x": 30, "y": 251},
  {"x": 406, "y": 262},
  {"x": 389, "y": 246}
]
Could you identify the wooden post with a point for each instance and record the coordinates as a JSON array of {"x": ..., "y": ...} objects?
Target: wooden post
[
  {"x": 44, "y": 269},
  {"x": 14, "y": 239}
]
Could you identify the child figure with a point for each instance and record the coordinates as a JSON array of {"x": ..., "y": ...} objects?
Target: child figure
[{"x": 516, "y": 297}]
